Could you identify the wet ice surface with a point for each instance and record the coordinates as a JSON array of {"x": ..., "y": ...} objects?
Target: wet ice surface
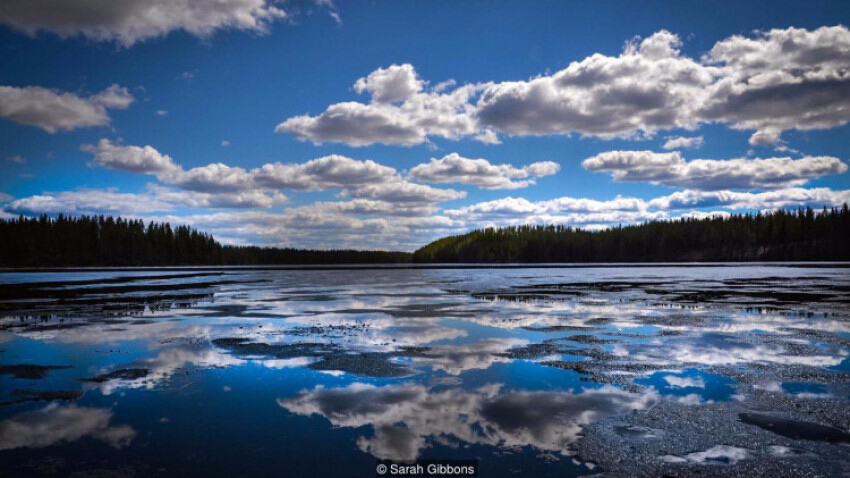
[{"x": 680, "y": 371}]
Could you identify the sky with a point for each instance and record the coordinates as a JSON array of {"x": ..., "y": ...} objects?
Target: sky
[{"x": 375, "y": 124}]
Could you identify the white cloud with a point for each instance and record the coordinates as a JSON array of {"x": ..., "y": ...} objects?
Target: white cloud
[
  {"x": 488, "y": 136},
  {"x": 130, "y": 22},
  {"x": 390, "y": 85},
  {"x": 671, "y": 169},
  {"x": 162, "y": 112},
  {"x": 135, "y": 159},
  {"x": 225, "y": 143},
  {"x": 5, "y": 197},
  {"x": 782, "y": 79},
  {"x": 454, "y": 168},
  {"x": 59, "y": 111},
  {"x": 402, "y": 112},
  {"x": 682, "y": 142},
  {"x": 155, "y": 199},
  {"x": 779, "y": 80},
  {"x": 358, "y": 179},
  {"x": 18, "y": 159},
  {"x": 781, "y": 198}
]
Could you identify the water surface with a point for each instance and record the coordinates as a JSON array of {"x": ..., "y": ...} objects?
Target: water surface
[{"x": 557, "y": 371}]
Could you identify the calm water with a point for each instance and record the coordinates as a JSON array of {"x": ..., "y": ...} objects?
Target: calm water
[{"x": 539, "y": 372}]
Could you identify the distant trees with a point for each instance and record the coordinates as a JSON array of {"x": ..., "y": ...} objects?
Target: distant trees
[
  {"x": 102, "y": 241},
  {"x": 106, "y": 241},
  {"x": 250, "y": 255},
  {"x": 781, "y": 235}
]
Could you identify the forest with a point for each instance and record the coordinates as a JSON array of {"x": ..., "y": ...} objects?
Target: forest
[
  {"x": 89, "y": 241},
  {"x": 801, "y": 235}
]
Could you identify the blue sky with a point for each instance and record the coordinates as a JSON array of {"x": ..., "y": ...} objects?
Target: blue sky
[{"x": 386, "y": 124}]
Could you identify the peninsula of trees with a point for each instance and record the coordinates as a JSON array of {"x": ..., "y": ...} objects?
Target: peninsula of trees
[
  {"x": 802, "y": 235},
  {"x": 88, "y": 241}
]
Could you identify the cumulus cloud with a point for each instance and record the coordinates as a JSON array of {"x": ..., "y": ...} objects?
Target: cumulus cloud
[
  {"x": 671, "y": 169},
  {"x": 135, "y": 159},
  {"x": 781, "y": 198},
  {"x": 401, "y": 112},
  {"x": 155, "y": 199},
  {"x": 128, "y": 22},
  {"x": 359, "y": 179},
  {"x": 778, "y": 80},
  {"x": 392, "y": 84},
  {"x": 564, "y": 210},
  {"x": 782, "y": 79},
  {"x": 682, "y": 142},
  {"x": 454, "y": 168},
  {"x": 60, "y": 111}
]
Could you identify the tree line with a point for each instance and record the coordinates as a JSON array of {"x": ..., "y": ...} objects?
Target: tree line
[
  {"x": 801, "y": 235},
  {"x": 88, "y": 241}
]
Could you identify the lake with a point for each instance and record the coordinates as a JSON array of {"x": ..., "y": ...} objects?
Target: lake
[{"x": 721, "y": 369}]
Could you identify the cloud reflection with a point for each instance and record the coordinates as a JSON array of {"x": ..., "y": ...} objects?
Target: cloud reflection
[
  {"x": 407, "y": 417},
  {"x": 62, "y": 423}
]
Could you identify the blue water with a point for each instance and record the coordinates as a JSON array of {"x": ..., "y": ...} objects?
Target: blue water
[{"x": 399, "y": 364}]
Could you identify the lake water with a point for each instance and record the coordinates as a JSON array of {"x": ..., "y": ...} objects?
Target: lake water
[{"x": 737, "y": 370}]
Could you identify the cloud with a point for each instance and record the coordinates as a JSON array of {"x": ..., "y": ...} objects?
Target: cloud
[
  {"x": 401, "y": 112},
  {"x": 56, "y": 423},
  {"x": 225, "y": 143},
  {"x": 782, "y": 198},
  {"x": 135, "y": 159},
  {"x": 779, "y": 80},
  {"x": 5, "y": 197},
  {"x": 18, "y": 159},
  {"x": 129, "y": 22},
  {"x": 454, "y": 168},
  {"x": 682, "y": 142},
  {"x": 359, "y": 179},
  {"x": 60, "y": 111},
  {"x": 671, "y": 169},
  {"x": 390, "y": 85},
  {"x": 782, "y": 79},
  {"x": 162, "y": 112},
  {"x": 155, "y": 199}
]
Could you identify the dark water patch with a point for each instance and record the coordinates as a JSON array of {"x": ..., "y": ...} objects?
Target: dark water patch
[
  {"x": 559, "y": 328},
  {"x": 120, "y": 374},
  {"x": 326, "y": 330},
  {"x": 761, "y": 295},
  {"x": 590, "y": 339},
  {"x": 531, "y": 351},
  {"x": 796, "y": 429},
  {"x": 24, "y": 396},
  {"x": 423, "y": 311},
  {"x": 242, "y": 346},
  {"x": 33, "y": 372},
  {"x": 18, "y": 290},
  {"x": 366, "y": 364}
]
